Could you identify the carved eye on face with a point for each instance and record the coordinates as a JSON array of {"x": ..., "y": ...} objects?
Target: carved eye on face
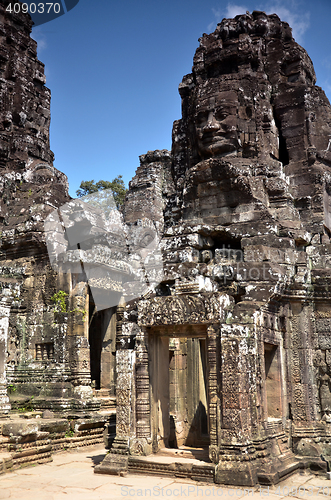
[{"x": 220, "y": 114}]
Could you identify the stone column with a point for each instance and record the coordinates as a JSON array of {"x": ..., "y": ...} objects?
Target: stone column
[
  {"x": 213, "y": 393},
  {"x": 79, "y": 348},
  {"x": 143, "y": 427},
  {"x": 5, "y": 304},
  {"x": 116, "y": 461},
  {"x": 159, "y": 347},
  {"x": 237, "y": 465},
  {"x": 141, "y": 445},
  {"x": 309, "y": 348},
  {"x": 303, "y": 384}
]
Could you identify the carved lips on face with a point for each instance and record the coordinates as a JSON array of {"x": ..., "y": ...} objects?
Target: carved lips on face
[{"x": 216, "y": 125}]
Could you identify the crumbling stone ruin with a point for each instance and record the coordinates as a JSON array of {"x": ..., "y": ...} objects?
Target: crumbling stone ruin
[
  {"x": 44, "y": 349},
  {"x": 232, "y": 348},
  {"x": 225, "y": 355},
  {"x": 45, "y": 324},
  {"x": 30, "y": 187}
]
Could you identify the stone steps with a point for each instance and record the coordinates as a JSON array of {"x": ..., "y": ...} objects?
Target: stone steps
[
  {"x": 186, "y": 452},
  {"x": 274, "y": 473},
  {"x": 189, "y": 468},
  {"x": 104, "y": 397}
]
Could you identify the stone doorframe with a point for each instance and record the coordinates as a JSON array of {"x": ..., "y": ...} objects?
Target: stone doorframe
[
  {"x": 177, "y": 314},
  {"x": 142, "y": 443}
]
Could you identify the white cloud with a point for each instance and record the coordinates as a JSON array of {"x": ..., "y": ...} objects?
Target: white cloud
[
  {"x": 298, "y": 20},
  {"x": 230, "y": 11},
  {"x": 40, "y": 38},
  {"x": 218, "y": 18},
  {"x": 233, "y": 10}
]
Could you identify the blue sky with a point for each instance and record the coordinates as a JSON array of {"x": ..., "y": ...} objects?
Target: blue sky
[{"x": 114, "y": 69}]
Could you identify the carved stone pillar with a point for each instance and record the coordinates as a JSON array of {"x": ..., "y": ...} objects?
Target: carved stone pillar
[
  {"x": 309, "y": 350},
  {"x": 78, "y": 345},
  {"x": 124, "y": 373},
  {"x": 4, "y": 324},
  {"x": 141, "y": 445},
  {"x": 143, "y": 428},
  {"x": 213, "y": 393},
  {"x": 116, "y": 461},
  {"x": 238, "y": 462},
  {"x": 304, "y": 393}
]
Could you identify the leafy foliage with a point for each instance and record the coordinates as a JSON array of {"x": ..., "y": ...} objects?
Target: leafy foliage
[
  {"x": 86, "y": 187},
  {"x": 116, "y": 185},
  {"x": 59, "y": 299}
]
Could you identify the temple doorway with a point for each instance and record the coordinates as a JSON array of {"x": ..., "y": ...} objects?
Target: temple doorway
[
  {"x": 179, "y": 376},
  {"x": 102, "y": 341}
]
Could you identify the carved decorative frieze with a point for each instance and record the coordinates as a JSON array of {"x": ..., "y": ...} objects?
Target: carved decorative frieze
[{"x": 190, "y": 309}]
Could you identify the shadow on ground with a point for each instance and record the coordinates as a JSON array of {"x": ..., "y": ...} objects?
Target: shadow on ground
[{"x": 97, "y": 459}]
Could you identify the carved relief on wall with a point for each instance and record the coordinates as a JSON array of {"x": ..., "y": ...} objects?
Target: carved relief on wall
[
  {"x": 14, "y": 347},
  {"x": 325, "y": 391},
  {"x": 123, "y": 420},
  {"x": 322, "y": 362},
  {"x": 190, "y": 309},
  {"x": 139, "y": 447},
  {"x": 123, "y": 397},
  {"x": 214, "y": 454},
  {"x": 299, "y": 402}
]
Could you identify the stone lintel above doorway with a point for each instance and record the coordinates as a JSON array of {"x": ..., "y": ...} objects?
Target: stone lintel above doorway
[
  {"x": 180, "y": 331},
  {"x": 188, "y": 309}
]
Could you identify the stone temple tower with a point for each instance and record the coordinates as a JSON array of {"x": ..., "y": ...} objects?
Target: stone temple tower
[
  {"x": 231, "y": 351},
  {"x": 25, "y": 101}
]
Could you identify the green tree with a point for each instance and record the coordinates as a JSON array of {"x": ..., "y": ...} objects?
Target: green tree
[
  {"x": 86, "y": 187},
  {"x": 116, "y": 185}
]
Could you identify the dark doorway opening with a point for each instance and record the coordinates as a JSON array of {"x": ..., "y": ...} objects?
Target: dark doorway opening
[
  {"x": 102, "y": 338},
  {"x": 283, "y": 151},
  {"x": 272, "y": 382},
  {"x": 181, "y": 392}
]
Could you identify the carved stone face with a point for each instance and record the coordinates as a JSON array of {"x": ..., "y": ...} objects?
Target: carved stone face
[{"x": 215, "y": 120}]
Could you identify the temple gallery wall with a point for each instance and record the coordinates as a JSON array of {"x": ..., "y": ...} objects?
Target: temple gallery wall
[{"x": 200, "y": 312}]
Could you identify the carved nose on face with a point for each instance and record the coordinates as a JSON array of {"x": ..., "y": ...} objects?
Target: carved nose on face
[{"x": 212, "y": 123}]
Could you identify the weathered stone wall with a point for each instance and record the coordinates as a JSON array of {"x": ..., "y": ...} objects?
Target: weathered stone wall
[
  {"x": 47, "y": 354},
  {"x": 35, "y": 438},
  {"x": 229, "y": 345},
  {"x": 246, "y": 267}
]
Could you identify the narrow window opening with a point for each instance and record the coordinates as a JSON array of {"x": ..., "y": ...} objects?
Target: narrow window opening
[
  {"x": 45, "y": 351},
  {"x": 283, "y": 152}
]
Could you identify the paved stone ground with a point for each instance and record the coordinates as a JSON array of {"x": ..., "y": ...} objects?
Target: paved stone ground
[{"x": 70, "y": 477}]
